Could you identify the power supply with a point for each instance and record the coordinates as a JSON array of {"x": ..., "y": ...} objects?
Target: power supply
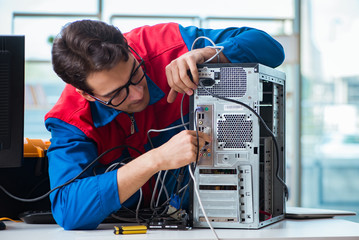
[{"x": 239, "y": 175}]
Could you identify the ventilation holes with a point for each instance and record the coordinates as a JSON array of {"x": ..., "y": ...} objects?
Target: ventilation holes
[
  {"x": 233, "y": 83},
  {"x": 235, "y": 131}
]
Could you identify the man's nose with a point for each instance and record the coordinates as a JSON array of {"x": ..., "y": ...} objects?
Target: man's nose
[{"x": 135, "y": 92}]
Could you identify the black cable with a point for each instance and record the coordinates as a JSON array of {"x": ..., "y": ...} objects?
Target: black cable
[
  {"x": 265, "y": 126},
  {"x": 69, "y": 181},
  {"x": 37, "y": 186},
  {"x": 180, "y": 179},
  {"x": 135, "y": 219},
  {"x": 183, "y": 194}
]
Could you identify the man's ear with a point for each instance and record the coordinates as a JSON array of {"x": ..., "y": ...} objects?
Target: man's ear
[{"x": 85, "y": 95}]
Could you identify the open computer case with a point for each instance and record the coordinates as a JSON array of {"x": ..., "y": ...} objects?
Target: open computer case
[{"x": 239, "y": 175}]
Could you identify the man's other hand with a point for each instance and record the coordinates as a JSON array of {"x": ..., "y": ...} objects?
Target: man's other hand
[{"x": 180, "y": 150}]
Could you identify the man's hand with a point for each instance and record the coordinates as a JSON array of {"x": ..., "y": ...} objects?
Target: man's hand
[
  {"x": 180, "y": 150},
  {"x": 177, "y": 75},
  {"x": 177, "y": 71}
]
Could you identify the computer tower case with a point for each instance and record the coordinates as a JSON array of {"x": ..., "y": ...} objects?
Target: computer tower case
[{"x": 238, "y": 175}]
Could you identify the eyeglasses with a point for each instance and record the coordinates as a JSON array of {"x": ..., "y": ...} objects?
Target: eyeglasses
[{"x": 121, "y": 93}]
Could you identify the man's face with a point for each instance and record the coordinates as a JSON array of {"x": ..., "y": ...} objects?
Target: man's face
[{"x": 106, "y": 85}]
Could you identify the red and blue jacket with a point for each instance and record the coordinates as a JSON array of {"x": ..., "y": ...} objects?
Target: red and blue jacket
[{"x": 82, "y": 130}]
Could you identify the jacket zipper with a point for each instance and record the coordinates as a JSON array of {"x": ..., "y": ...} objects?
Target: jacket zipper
[{"x": 132, "y": 124}]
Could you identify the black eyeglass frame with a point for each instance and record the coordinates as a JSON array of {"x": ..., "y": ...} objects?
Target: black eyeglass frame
[{"x": 126, "y": 86}]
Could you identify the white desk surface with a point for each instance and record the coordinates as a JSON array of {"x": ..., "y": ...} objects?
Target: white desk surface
[{"x": 287, "y": 229}]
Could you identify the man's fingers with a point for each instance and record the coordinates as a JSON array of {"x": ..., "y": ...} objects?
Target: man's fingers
[
  {"x": 193, "y": 70},
  {"x": 177, "y": 73},
  {"x": 171, "y": 96},
  {"x": 204, "y": 136},
  {"x": 181, "y": 81},
  {"x": 184, "y": 78}
]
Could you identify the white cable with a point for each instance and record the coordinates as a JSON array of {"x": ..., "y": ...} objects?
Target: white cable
[
  {"x": 202, "y": 37},
  {"x": 167, "y": 129},
  {"x": 219, "y": 49},
  {"x": 161, "y": 189},
  {"x": 154, "y": 190},
  {"x": 200, "y": 202},
  {"x": 112, "y": 167},
  {"x": 163, "y": 130},
  {"x": 163, "y": 184},
  {"x": 183, "y": 188},
  {"x": 138, "y": 206},
  {"x": 159, "y": 179},
  {"x": 195, "y": 183}
]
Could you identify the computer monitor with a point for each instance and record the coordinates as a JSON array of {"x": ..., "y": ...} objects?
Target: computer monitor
[{"x": 12, "y": 59}]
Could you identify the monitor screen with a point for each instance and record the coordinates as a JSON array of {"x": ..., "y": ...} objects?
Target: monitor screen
[{"x": 12, "y": 58}]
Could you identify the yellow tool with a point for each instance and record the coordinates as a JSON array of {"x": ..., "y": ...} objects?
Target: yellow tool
[{"x": 138, "y": 229}]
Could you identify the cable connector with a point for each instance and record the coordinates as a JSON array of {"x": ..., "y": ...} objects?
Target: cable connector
[
  {"x": 175, "y": 201},
  {"x": 174, "y": 209},
  {"x": 207, "y": 82},
  {"x": 199, "y": 109}
]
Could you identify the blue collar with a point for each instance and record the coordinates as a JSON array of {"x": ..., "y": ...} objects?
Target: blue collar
[{"x": 102, "y": 114}]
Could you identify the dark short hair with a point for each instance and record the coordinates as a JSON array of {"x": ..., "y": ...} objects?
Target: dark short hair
[{"x": 84, "y": 47}]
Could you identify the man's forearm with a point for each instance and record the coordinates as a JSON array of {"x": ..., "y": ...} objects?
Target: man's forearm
[{"x": 135, "y": 174}]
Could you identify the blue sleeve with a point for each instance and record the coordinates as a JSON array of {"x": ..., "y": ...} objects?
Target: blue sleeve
[
  {"x": 241, "y": 45},
  {"x": 86, "y": 202}
]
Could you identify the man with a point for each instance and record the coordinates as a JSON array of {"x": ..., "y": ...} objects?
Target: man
[{"x": 119, "y": 87}]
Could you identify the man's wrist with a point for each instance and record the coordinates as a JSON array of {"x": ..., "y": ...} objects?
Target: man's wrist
[
  {"x": 211, "y": 51},
  {"x": 208, "y": 53},
  {"x": 154, "y": 160}
]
